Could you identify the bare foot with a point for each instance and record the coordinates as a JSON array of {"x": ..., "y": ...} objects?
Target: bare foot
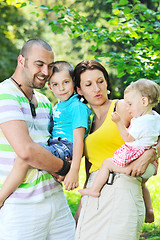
[
  {"x": 89, "y": 192},
  {"x": 149, "y": 216}
]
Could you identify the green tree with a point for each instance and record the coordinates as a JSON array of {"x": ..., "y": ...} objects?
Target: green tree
[
  {"x": 131, "y": 30},
  {"x": 123, "y": 34},
  {"x": 15, "y": 29}
]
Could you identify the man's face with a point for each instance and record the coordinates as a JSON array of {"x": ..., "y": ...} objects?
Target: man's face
[{"x": 37, "y": 68}]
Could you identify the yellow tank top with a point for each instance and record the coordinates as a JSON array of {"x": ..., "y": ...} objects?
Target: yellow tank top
[{"x": 102, "y": 143}]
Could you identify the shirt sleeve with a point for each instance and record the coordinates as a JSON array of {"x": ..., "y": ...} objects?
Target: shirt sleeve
[{"x": 80, "y": 115}]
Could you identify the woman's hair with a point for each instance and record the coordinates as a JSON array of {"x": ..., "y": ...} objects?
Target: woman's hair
[
  {"x": 89, "y": 65},
  {"x": 60, "y": 66},
  {"x": 147, "y": 88}
]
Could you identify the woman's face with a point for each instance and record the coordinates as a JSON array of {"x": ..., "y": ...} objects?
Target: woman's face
[{"x": 93, "y": 87}]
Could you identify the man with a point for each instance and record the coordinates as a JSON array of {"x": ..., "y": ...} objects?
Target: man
[{"x": 37, "y": 210}]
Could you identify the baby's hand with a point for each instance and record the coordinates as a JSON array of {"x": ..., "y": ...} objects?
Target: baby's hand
[
  {"x": 71, "y": 180},
  {"x": 115, "y": 117}
]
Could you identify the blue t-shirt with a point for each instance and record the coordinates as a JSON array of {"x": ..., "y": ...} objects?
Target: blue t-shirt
[{"x": 69, "y": 115}]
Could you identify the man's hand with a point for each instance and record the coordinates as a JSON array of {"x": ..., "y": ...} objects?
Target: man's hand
[{"x": 58, "y": 177}]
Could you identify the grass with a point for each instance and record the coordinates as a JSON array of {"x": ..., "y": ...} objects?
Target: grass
[{"x": 150, "y": 231}]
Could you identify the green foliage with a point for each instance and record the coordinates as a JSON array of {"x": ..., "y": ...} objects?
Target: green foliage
[
  {"x": 132, "y": 29},
  {"x": 9, "y": 51},
  {"x": 123, "y": 35},
  {"x": 15, "y": 29},
  {"x": 150, "y": 233}
]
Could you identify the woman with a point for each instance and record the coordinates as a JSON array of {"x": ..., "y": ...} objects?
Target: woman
[{"x": 118, "y": 213}]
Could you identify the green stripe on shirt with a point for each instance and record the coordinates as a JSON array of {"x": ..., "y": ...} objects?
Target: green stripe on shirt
[
  {"x": 42, "y": 178},
  {"x": 6, "y": 148}
]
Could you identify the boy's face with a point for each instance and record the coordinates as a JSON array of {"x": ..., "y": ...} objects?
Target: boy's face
[{"x": 62, "y": 85}]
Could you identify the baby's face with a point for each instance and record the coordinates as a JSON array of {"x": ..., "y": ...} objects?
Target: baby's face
[
  {"x": 135, "y": 103},
  {"x": 62, "y": 85}
]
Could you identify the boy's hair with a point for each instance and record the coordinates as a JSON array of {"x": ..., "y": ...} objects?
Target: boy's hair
[
  {"x": 147, "y": 88},
  {"x": 60, "y": 66}
]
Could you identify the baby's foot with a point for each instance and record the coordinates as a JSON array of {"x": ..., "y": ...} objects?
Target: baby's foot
[
  {"x": 89, "y": 192},
  {"x": 149, "y": 216}
]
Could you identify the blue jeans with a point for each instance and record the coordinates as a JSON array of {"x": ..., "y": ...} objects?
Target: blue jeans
[{"x": 60, "y": 147}]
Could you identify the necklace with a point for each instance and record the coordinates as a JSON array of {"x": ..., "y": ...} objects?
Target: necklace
[{"x": 32, "y": 107}]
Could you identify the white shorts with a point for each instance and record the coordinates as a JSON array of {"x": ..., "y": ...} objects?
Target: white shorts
[
  {"x": 118, "y": 214},
  {"x": 47, "y": 220}
]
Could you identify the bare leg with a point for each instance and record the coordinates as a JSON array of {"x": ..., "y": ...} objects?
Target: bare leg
[
  {"x": 149, "y": 218},
  {"x": 13, "y": 180},
  {"x": 101, "y": 178}
]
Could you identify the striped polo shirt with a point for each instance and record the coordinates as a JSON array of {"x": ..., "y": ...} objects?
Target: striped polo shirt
[{"x": 15, "y": 106}]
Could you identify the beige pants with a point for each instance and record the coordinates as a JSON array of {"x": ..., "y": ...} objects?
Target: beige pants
[{"x": 118, "y": 214}]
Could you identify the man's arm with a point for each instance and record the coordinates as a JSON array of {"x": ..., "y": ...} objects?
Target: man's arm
[
  {"x": 32, "y": 153},
  {"x": 138, "y": 167}
]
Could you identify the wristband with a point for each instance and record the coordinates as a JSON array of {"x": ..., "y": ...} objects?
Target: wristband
[
  {"x": 156, "y": 151},
  {"x": 65, "y": 168}
]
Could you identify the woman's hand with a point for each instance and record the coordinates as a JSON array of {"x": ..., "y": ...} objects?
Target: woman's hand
[
  {"x": 138, "y": 167},
  {"x": 76, "y": 216}
]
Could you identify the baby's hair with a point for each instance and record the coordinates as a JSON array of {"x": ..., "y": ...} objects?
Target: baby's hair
[{"x": 147, "y": 88}]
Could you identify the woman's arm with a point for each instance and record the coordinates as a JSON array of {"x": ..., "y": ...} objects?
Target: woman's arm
[
  {"x": 76, "y": 216},
  {"x": 87, "y": 167}
]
